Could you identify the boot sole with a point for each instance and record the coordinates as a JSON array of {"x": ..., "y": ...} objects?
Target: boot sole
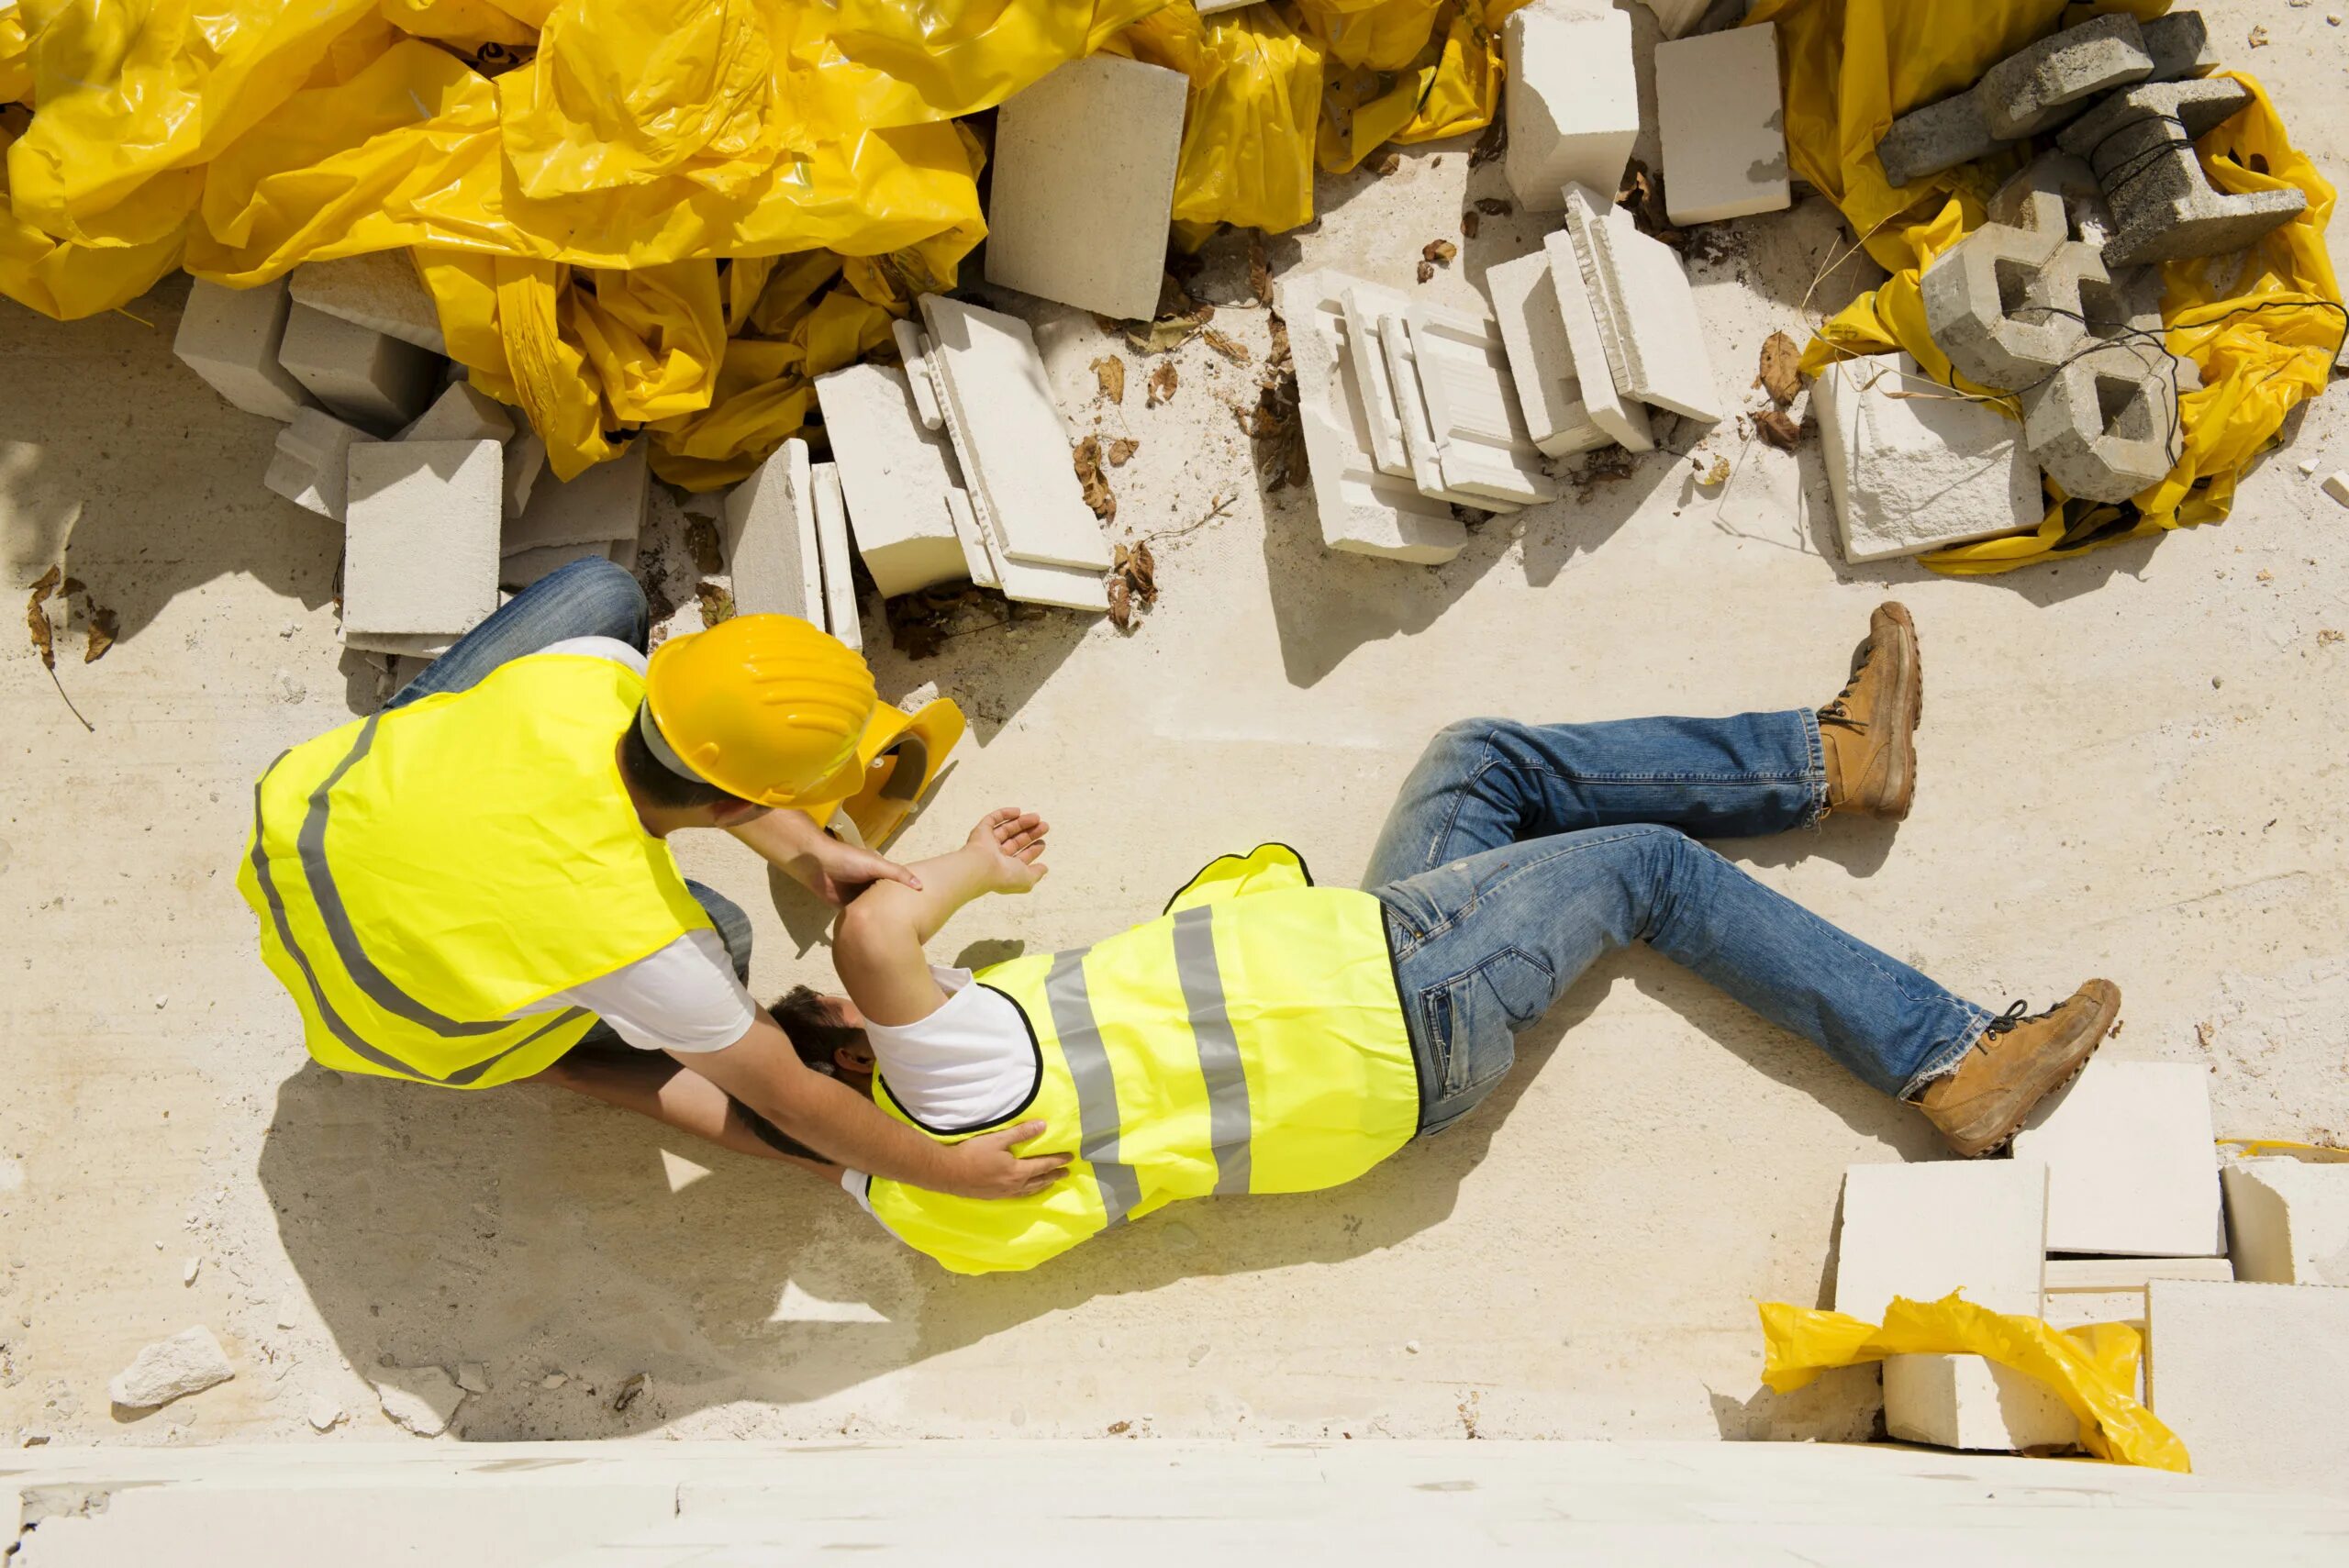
[
  {"x": 1900, "y": 789},
  {"x": 2007, "y": 1135}
]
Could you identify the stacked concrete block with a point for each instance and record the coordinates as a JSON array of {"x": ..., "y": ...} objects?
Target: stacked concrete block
[
  {"x": 2141, "y": 143},
  {"x": 2021, "y": 203},
  {"x": 310, "y": 463},
  {"x": 770, "y": 537},
  {"x": 377, "y": 383},
  {"x": 2131, "y": 1166},
  {"x": 2104, "y": 424},
  {"x": 421, "y": 545},
  {"x": 1676, "y": 17},
  {"x": 2253, "y": 1378},
  {"x": 1084, "y": 183},
  {"x": 834, "y": 553},
  {"x": 603, "y": 504},
  {"x": 1648, "y": 324},
  {"x": 1913, "y": 466},
  {"x": 894, "y": 475},
  {"x": 230, "y": 337},
  {"x": 381, "y": 292},
  {"x": 1462, "y": 427},
  {"x": 1542, "y": 357},
  {"x": 1362, "y": 510},
  {"x": 2180, "y": 44},
  {"x": 1623, "y": 419},
  {"x": 1573, "y": 101},
  {"x": 519, "y": 571},
  {"x": 526, "y": 459},
  {"x": 1939, "y": 136},
  {"x": 2081, "y": 1291},
  {"x": 1922, "y": 1231},
  {"x": 2287, "y": 1222},
  {"x": 461, "y": 413},
  {"x": 2005, "y": 305},
  {"x": 1724, "y": 125}
]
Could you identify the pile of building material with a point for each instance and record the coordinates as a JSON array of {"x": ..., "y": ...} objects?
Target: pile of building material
[{"x": 2112, "y": 1210}]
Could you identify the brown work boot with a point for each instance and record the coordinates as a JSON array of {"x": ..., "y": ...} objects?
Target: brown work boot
[
  {"x": 1869, "y": 732},
  {"x": 2017, "y": 1062}
]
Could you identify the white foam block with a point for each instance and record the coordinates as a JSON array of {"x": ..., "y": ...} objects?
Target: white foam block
[
  {"x": 1573, "y": 101},
  {"x": 895, "y": 475},
  {"x": 420, "y": 546},
  {"x": 835, "y": 554},
  {"x": 1540, "y": 357},
  {"x": 461, "y": 413},
  {"x": 230, "y": 337},
  {"x": 1084, "y": 183},
  {"x": 2131, "y": 1166},
  {"x": 1362, "y": 510},
  {"x": 1006, "y": 429},
  {"x": 377, "y": 383},
  {"x": 2288, "y": 1220},
  {"x": 1480, "y": 430},
  {"x": 380, "y": 291},
  {"x": 607, "y": 502},
  {"x": 1622, "y": 420},
  {"x": 310, "y": 464},
  {"x": 1723, "y": 125},
  {"x": 1647, "y": 313},
  {"x": 2253, "y": 1379},
  {"x": 771, "y": 545},
  {"x": 1913, "y": 466}
]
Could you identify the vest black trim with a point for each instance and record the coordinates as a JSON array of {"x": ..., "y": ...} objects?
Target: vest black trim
[
  {"x": 1168, "y": 907},
  {"x": 1035, "y": 1081}
]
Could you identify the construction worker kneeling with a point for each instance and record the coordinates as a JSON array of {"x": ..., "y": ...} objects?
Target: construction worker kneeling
[{"x": 472, "y": 885}]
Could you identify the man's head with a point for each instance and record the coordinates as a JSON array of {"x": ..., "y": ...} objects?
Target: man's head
[
  {"x": 651, "y": 782},
  {"x": 828, "y": 1034}
]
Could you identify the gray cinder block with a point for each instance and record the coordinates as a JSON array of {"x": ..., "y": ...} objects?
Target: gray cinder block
[
  {"x": 2004, "y": 304},
  {"x": 1937, "y": 137},
  {"x": 2038, "y": 88},
  {"x": 230, "y": 337},
  {"x": 2141, "y": 144},
  {"x": 420, "y": 549},
  {"x": 2180, "y": 44},
  {"x": 2086, "y": 216},
  {"x": 311, "y": 463},
  {"x": 377, "y": 383}
]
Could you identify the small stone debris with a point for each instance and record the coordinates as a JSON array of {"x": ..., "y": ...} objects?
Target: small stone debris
[
  {"x": 324, "y": 1415},
  {"x": 472, "y": 1377},
  {"x": 188, "y": 1362},
  {"x": 188, "y": 1274},
  {"x": 554, "y": 1380},
  {"x": 422, "y": 1399}
]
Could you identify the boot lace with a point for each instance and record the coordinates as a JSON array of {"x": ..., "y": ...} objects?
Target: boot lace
[
  {"x": 1839, "y": 712},
  {"x": 2014, "y": 1018}
]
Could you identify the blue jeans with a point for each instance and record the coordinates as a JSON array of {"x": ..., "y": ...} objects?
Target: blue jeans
[
  {"x": 590, "y": 597},
  {"x": 1518, "y": 854}
]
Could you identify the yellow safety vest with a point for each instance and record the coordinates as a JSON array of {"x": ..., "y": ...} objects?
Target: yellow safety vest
[
  {"x": 1250, "y": 1039},
  {"x": 421, "y": 874}
]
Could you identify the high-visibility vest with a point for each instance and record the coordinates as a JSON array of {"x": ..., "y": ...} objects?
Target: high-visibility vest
[
  {"x": 1251, "y": 1040},
  {"x": 421, "y": 874}
]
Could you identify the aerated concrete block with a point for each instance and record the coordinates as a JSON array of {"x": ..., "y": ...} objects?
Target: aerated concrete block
[
  {"x": 2253, "y": 1378},
  {"x": 516, "y": 573},
  {"x": 230, "y": 337},
  {"x": 837, "y": 556},
  {"x": 1366, "y": 306},
  {"x": 377, "y": 383},
  {"x": 1914, "y": 466},
  {"x": 1541, "y": 356},
  {"x": 607, "y": 502},
  {"x": 919, "y": 381},
  {"x": 526, "y": 459},
  {"x": 1463, "y": 405},
  {"x": 461, "y": 413},
  {"x": 770, "y": 533},
  {"x": 310, "y": 465},
  {"x": 2090, "y": 1276},
  {"x": 420, "y": 548},
  {"x": 894, "y": 475},
  {"x": 2131, "y": 1166},
  {"x": 2288, "y": 1221},
  {"x": 1724, "y": 127},
  {"x": 1084, "y": 185},
  {"x": 1573, "y": 101},
  {"x": 1647, "y": 313},
  {"x": 1974, "y": 1403},
  {"x": 1675, "y": 17},
  {"x": 381, "y": 292},
  {"x": 2141, "y": 144},
  {"x": 1622, "y": 420},
  {"x": 2038, "y": 88}
]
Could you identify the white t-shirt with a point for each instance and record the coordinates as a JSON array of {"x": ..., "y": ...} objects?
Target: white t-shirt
[
  {"x": 968, "y": 1065},
  {"x": 684, "y": 997}
]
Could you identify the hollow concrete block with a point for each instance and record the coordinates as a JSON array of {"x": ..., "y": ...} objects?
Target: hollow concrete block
[
  {"x": 607, "y": 502},
  {"x": 2253, "y": 1379},
  {"x": 894, "y": 475},
  {"x": 1724, "y": 125},
  {"x": 2287, "y": 1222},
  {"x": 1572, "y": 101},
  {"x": 230, "y": 337},
  {"x": 770, "y": 537},
  {"x": 2041, "y": 86},
  {"x": 310, "y": 464},
  {"x": 1913, "y": 466},
  {"x": 421, "y": 544},
  {"x": 2131, "y": 1166},
  {"x": 2071, "y": 184},
  {"x": 380, "y": 291},
  {"x": 377, "y": 383},
  {"x": 2139, "y": 142},
  {"x": 2104, "y": 424},
  {"x": 1648, "y": 323},
  {"x": 1541, "y": 356},
  {"x": 2004, "y": 304}
]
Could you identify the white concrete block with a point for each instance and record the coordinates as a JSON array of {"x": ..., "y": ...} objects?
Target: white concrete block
[
  {"x": 1008, "y": 433},
  {"x": 230, "y": 337},
  {"x": 2289, "y": 1220},
  {"x": 1540, "y": 357},
  {"x": 1470, "y": 408},
  {"x": 519, "y": 571},
  {"x": 310, "y": 465},
  {"x": 377, "y": 383},
  {"x": 1924, "y": 1230},
  {"x": 2336, "y": 485},
  {"x": 526, "y": 459},
  {"x": 977, "y": 559},
  {"x": 1573, "y": 101},
  {"x": 381, "y": 292},
  {"x": 1913, "y": 466},
  {"x": 895, "y": 475},
  {"x": 420, "y": 546},
  {"x": 1647, "y": 313},
  {"x": 1674, "y": 17},
  {"x": 1622, "y": 420},
  {"x": 2079, "y": 1308},
  {"x": 1061, "y": 587},
  {"x": 837, "y": 556},
  {"x": 2253, "y": 1379},
  {"x": 418, "y": 649},
  {"x": 1084, "y": 185},
  {"x": 1420, "y": 441},
  {"x": 461, "y": 413},
  {"x": 1364, "y": 307},
  {"x": 1969, "y": 1402},
  {"x": 2131, "y": 1165},
  {"x": 1362, "y": 510},
  {"x": 923, "y": 386},
  {"x": 2091, "y": 1276},
  {"x": 1724, "y": 127},
  {"x": 771, "y": 546},
  {"x": 607, "y": 502}
]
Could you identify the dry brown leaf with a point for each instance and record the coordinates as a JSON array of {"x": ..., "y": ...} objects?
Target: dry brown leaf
[
  {"x": 1139, "y": 568},
  {"x": 1468, "y": 221},
  {"x": 1641, "y": 194},
  {"x": 1387, "y": 165},
  {"x": 1777, "y": 429},
  {"x": 1120, "y": 450},
  {"x": 1781, "y": 375},
  {"x": 717, "y": 603},
  {"x": 2326, "y": 635},
  {"x": 1494, "y": 207},
  {"x": 2259, "y": 38},
  {"x": 701, "y": 542},
  {"x": 1715, "y": 476},
  {"x": 1427, "y": 271},
  {"x": 1260, "y": 270},
  {"x": 1110, "y": 372},
  {"x": 1440, "y": 251},
  {"x": 1237, "y": 352},
  {"x": 37, "y": 619},
  {"x": 1162, "y": 381},
  {"x": 1088, "y": 455},
  {"x": 1121, "y": 605},
  {"x": 104, "y": 626},
  {"x": 1491, "y": 145}
]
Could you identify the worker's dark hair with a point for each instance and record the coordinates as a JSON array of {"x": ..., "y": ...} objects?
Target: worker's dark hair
[
  {"x": 646, "y": 775},
  {"x": 815, "y": 1029}
]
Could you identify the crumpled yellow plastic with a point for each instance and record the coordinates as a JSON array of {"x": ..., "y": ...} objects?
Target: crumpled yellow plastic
[
  {"x": 2263, "y": 339},
  {"x": 1449, "y": 85},
  {"x": 2092, "y": 1370}
]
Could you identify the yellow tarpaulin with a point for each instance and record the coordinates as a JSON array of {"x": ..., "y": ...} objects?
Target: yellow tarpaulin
[
  {"x": 2262, "y": 337},
  {"x": 2092, "y": 1370}
]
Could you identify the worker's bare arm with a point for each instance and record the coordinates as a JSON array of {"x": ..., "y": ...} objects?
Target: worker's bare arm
[
  {"x": 833, "y": 870},
  {"x": 836, "y": 1123},
  {"x": 878, "y": 947},
  {"x": 653, "y": 1083}
]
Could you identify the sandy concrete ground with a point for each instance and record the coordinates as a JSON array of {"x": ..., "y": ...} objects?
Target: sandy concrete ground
[{"x": 2131, "y": 766}]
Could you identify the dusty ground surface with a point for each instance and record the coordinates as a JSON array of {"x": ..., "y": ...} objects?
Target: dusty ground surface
[{"x": 2131, "y": 766}]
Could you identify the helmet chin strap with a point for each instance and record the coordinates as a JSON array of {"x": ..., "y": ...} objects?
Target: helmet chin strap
[{"x": 660, "y": 747}]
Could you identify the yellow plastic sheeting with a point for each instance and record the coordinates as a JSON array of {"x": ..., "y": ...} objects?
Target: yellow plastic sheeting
[
  {"x": 1451, "y": 85},
  {"x": 2263, "y": 339},
  {"x": 66, "y": 281},
  {"x": 2092, "y": 1370},
  {"x": 15, "y": 68},
  {"x": 764, "y": 390}
]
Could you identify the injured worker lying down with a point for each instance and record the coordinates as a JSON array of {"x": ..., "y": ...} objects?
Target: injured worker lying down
[{"x": 1266, "y": 1035}]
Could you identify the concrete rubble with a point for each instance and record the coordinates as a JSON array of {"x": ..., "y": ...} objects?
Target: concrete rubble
[
  {"x": 2141, "y": 143},
  {"x": 1723, "y": 125},
  {"x": 2131, "y": 1162},
  {"x": 188, "y": 1362},
  {"x": 378, "y": 291},
  {"x": 1913, "y": 466},
  {"x": 1573, "y": 104}
]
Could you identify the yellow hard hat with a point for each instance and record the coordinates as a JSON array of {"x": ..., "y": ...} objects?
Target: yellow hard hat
[{"x": 766, "y": 707}]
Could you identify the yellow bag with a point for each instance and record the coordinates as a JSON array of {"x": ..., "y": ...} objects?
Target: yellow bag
[{"x": 2092, "y": 1370}]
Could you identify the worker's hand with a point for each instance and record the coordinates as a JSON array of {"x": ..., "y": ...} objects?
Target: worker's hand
[
  {"x": 1011, "y": 843},
  {"x": 837, "y": 873},
  {"x": 985, "y": 1167}
]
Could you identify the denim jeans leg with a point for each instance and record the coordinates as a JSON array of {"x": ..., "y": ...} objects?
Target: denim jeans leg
[
  {"x": 590, "y": 597},
  {"x": 733, "y": 929},
  {"x": 1485, "y": 945},
  {"x": 1485, "y": 783}
]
